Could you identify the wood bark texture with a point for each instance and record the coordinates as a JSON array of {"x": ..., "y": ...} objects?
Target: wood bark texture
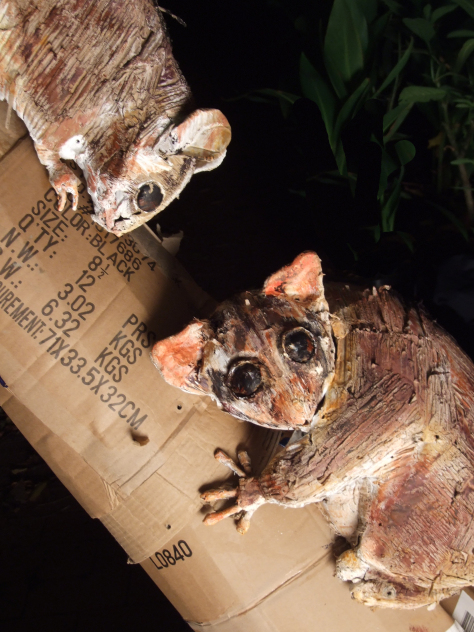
[
  {"x": 388, "y": 451},
  {"x": 95, "y": 81}
]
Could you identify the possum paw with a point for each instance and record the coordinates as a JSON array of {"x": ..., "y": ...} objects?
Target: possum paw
[
  {"x": 64, "y": 181},
  {"x": 248, "y": 494}
]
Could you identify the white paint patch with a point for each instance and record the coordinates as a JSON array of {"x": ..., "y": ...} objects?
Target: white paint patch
[
  {"x": 149, "y": 162},
  {"x": 72, "y": 147},
  {"x": 122, "y": 200}
]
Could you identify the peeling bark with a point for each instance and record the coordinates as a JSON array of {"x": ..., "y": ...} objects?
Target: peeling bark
[{"x": 95, "y": 81}]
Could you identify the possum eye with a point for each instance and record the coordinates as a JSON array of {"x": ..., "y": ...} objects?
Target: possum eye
[
  {"x": 244, "y": 378},
  {"x": 149, "y": 197},
  {"x": 299, "y": 345}
]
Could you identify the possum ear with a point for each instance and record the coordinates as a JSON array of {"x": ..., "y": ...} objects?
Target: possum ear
[
  {"x": 204, "y": 135},
  {"x": 178, "y": 357},
  {"x": 302, "y": 281}
]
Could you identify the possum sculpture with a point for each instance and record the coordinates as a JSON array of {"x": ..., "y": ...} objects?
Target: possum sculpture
[
  {"x": 95, "y": 81},
  {"x": 386, "y": 400}
]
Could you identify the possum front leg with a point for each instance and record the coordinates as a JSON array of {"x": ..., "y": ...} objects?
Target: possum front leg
[
  {"x": 322, "y": 464},
  {"x": 62, "y": 178},
  {"x": 272, "y": 486}
]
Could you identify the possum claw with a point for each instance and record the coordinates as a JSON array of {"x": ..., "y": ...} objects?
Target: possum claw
[
  {"x": 225, "y": 459},
  {"x": 217, "y": 516},
  {"x": 218, "y": 494}
]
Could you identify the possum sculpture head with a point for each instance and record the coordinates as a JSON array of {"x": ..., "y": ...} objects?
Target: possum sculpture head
[
  {"x": 95, "y": 81},
  {"x": 129, "y": 187},
  {"x": 265, "y": 357}
]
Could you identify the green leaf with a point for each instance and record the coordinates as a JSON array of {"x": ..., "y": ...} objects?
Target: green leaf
[
  {"x": 280, "y": 94},
  {"x": 405, "y": 151},
  {"x": 421, "y": 94},
  {"x": 286, "y": 99},
  {"x": 317, "y": 90},
  {"x": 421, "y": 27},
  {"x": 395, "y": 118},
  {"x": 389, "y": 209},
  {"x": 464, "y": 53},
  {"x": 345, "y": 43},
  {"x": 377, "y": 233},
  {"x": 396, "y": 70},
  {"x": 463, "y": 161},
  {"x": 340, "y": 156},
  {"x": 388, "y": 166},
  {"x": 354, "y": 252},
  {"x": 379, "y": 25},
  {"x": 438, "y": 13},
  {"x": 335, "y": 78},
  {"x": 375, "y": 230},
  {"x": 467, "y": 5},
  {"x": 392, "y": 5},
  {"x": 350, "y": 107},
  {"x": 368, "y": 8},
  {"x": 346, "y": 113},
  {"x": 461, "y": 34}
]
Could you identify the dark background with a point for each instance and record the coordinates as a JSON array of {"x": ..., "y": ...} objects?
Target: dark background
[{"x": 60, "y": 570}]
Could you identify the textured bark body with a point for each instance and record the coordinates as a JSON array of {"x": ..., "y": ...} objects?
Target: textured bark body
[
  {"x": 395, "y": 430},
  {"x": 96, "y": 81},
  {"x": 390, "y": 452}
]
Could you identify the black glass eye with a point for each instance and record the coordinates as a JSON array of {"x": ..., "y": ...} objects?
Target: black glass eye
[
  {"x": 149, "y": 197},
  {"x": 244, "y": 379},
  {"x": 299, "y": 345}
]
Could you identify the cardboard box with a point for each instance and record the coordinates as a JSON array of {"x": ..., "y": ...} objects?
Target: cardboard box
[
  {"x": 79, "y": 311},
  {"x": 461, "y": 608}
]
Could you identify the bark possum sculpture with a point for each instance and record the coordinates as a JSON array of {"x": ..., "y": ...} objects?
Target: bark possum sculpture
[
  {"x": 386, "y": 400},
  {"x": 95, "y": 81}
]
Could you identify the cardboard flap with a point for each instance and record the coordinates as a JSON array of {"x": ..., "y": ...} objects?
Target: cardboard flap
[{"x": 81, "y": 480}]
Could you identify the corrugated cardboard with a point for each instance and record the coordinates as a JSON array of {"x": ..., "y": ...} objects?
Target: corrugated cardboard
[
  {"x": 279, "y": 577},
  {"x": 451, "y": 604},
  {"x": 76, "y": 377},
  {"x": 79, "y": 313}
]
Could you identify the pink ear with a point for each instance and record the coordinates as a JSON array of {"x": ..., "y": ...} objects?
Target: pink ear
[
  {"x": 204, "y": 135},
  {"x": 301, "y": 280},
  {"x": 177, "y": 357}
]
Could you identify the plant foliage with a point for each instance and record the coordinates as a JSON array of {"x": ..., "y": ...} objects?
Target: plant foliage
[{"x": 383, "y": 60}]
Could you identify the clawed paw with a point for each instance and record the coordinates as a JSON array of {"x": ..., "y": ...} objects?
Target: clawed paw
[
  {"x": 248, "y": 493},
  {"x": 64, "y": 183}
]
